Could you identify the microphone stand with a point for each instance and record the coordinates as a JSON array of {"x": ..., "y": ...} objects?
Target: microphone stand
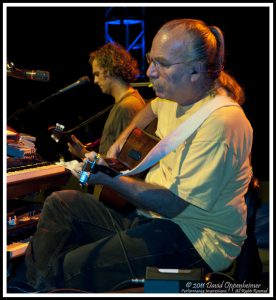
[
  {"x": 135, "y": 84},
  {"x": 97, "y": 115},
  {"x": 32, "y": 106},
  {"x": 82, "y": 80}
]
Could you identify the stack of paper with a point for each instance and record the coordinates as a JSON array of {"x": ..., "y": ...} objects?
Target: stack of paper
[
  {"x": 27, "y": 140},
  {"x": 20, "y": 144}
]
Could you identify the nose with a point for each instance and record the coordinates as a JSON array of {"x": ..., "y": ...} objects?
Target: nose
[{"x": 152, "y": 71}]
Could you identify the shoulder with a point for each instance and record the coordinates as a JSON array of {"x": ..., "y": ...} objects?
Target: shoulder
[
  {"x": 228, "y": 124},
  {"x": 230, "y": 116},
  {"x": 160, "y": 103},
  {"x": 132, "y": 101}
]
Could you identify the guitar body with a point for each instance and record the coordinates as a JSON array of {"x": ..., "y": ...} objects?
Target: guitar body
[{"x": 136, "y": 147}]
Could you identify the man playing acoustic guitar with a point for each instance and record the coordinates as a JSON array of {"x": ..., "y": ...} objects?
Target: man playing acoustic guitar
[{"x": 191, "y": 211}]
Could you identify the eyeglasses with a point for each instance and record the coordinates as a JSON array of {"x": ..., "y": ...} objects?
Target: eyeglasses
[{"x": 157, "y": 64}]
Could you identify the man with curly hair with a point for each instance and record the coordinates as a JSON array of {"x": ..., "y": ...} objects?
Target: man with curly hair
[{"x": 113, "y": 69}]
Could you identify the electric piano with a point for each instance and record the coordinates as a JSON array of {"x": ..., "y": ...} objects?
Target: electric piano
[
  {"x": 24, "y": 176},
  {"x": 17, "y": 249},
  {"x": 21, "y": 224},
  {"x": 29, "y": 175}
]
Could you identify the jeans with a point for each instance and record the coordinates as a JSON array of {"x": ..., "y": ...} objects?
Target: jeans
[{"x": 82, "y": 244}]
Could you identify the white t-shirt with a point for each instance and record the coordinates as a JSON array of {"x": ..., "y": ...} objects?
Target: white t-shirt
[{"x": 211, "y": 170}]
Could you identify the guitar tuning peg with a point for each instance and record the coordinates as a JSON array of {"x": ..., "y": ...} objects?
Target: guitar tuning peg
[
  {"x": 55, "y": 138},
  {"x": 60, "y": 126},
  {"x": 57, "y": 130}
]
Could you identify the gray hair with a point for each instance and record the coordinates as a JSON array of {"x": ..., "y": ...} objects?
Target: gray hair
[{"x": 206, "y": 44}]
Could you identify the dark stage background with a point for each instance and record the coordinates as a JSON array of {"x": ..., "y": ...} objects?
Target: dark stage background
[{"x": 59, "y": 39}]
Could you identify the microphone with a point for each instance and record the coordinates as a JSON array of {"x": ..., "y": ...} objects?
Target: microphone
[
  {"x": 81, "y": 81},
  {"x": 36, "y": 75}
]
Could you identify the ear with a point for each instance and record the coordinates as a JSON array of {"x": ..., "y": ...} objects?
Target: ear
[
  {"x": 196, "y": 71},
  {"x": 195, "y": 76}
]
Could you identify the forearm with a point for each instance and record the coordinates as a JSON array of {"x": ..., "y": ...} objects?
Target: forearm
[
  {"x": 148, "y": 196},
  {"x": 141, "y": 120},
  {"x": 141, "y": 194}
]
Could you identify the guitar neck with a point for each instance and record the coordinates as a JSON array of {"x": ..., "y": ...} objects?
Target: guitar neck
[{"x": 58, "y": 135}]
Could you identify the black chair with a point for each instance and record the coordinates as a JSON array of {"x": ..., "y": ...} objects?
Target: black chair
[{"x": 248, "y": 265}]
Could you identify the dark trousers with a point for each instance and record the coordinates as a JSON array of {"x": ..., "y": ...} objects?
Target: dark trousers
[{"x": 82, "y": 244}]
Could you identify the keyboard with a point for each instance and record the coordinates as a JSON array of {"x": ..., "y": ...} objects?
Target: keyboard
[
  {"x": 33, "y": 172},
  {"x": 25, "y": 176},
  {"x": 17, "y": 249}
]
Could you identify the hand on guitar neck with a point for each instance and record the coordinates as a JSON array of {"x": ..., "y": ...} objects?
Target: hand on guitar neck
[{"x": 75, "y": 146}]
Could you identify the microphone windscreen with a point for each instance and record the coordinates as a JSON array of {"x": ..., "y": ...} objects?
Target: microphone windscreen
[
  {"x": 41, "y": 75},
  {"x": 84, "y": 79}
]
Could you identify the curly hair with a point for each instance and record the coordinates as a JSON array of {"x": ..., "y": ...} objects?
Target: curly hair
[{"x": 116, "y": 61}]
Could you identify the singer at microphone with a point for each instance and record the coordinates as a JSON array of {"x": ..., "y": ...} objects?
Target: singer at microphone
[{"x": 36, "y": 75}]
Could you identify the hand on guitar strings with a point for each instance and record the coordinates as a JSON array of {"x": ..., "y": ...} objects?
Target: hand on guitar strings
[
  {"x": 92, "y": 177},
  {"x": 91, "y": 156},
  {"x": 115, "y": 150}
]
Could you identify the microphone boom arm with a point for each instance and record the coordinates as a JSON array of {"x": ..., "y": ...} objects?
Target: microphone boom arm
[{"x": 81, "y": 81}]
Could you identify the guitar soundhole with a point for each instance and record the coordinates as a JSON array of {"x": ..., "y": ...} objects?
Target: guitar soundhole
[{"x": 136, "y": 155}]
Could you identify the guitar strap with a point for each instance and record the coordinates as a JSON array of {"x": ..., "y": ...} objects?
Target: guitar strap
[{"x": 180, "y": 134}]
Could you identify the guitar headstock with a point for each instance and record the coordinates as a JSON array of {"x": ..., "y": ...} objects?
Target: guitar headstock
[{"x": 57, "y": 132}]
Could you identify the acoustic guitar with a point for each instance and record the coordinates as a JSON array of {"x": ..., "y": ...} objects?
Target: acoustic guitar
[{"x": 136, "y": 147}]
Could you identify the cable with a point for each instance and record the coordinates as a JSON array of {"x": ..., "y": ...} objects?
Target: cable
[
  {"x": 31, "y": 106},
  {"x": 67, "y": 290},
  {"x": 90, "y": 119},
  {"x": 12, "y": 288},
  {"x": 93, "y": 117},
  {"x": 120, "y": 284},
  {"x": 121, "y": 241},
  {"x": 208, "y": 276}
]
